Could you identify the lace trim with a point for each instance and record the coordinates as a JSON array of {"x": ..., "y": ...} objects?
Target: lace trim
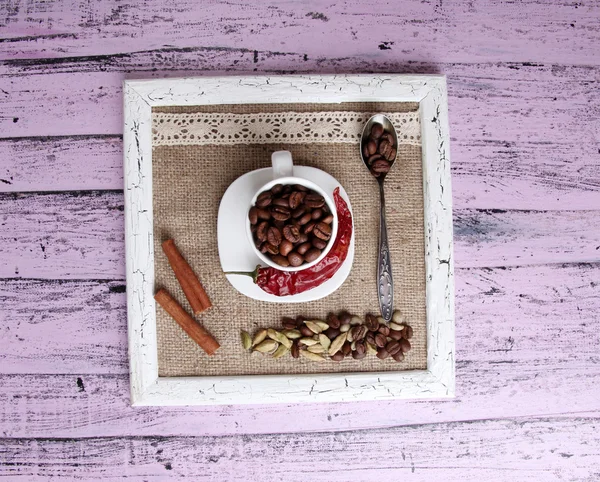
[{"x": 289, "y": 127}]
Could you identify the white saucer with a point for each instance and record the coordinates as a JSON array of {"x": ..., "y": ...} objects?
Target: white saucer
[{"x": 235, "y": 251}]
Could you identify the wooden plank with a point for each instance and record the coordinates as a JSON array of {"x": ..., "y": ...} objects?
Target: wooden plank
[
  {"x": 511, "y": 450},
  {"x": 83, "y": 405},
  {"x": 486, "y": 174},
  {"x": 70, "y": 163},
  {"x": 63, "y": 326},
  {"x": 78, "y": 235},
  {"x": 553, "y": 31}
]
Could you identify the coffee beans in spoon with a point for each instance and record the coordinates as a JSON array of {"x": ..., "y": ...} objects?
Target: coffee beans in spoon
[
  {"x": 379, "y": 150},
  {"x": 291, "y": 224}
]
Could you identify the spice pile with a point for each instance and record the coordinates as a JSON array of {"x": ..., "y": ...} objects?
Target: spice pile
[{"x": 338, "y": 337}]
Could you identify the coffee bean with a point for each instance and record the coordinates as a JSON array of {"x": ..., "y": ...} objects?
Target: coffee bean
[
  {"x": 382, "y": 353},
  {"x": 370, "y": 338},
  {"x": 307, "y": 229},
  {"x": 317, "y": 214},
  {"x": 323, "y": 231},
  {"x": 333, "y": 321},
  {"x": 384, "y": 330},
  {"x": 392, "y": 155},
  {"x": 272, "y": 249},
  {"x": 344, "y": 317},
  {"x": 264, "y": 199},
  {"x": 313, "y": 200},
  {"x": 388, "y": 137},
  {"x": 376, "y": 131},
  {"x": 358, "y": 332},
  {"x": 332, "y": 333},
  {"x": 303, "y": 239},
  {"x": 276, "y": 189},
  {"x": 285, "y": 247},
  {"x": 280, "y": 260},
  {"x": 339, "y": 356},
  {"x": 359, "y": 356},
  {"x": 261, "y": 231},
  {"x": 295, "y": 350},
  {"x": 407, "y": 332},
  {"x": 371, "y": 322},
  {"x": 298, "y": 212},
  {"x": 291, "y": 233},
  {"x": 365, "y": 150},
  {"x": 274, "y": 236},
  {"x": 380, "y": 166},
  {"x": 393, "y": 347},
  {"x": 280, "y": 213},
  {"x": 374, "y": 158},
  {"x": 360, "y": 347},
  {"x": 281, "y": 202},
  {"x": 399, "y": 357},
  {"x": 385, "y": 148},
  {"x": 296, "y": 199},
  {"x": 253, "y": 215},
  {"x": 304, "y": 219},
  {"x": 328, "y": 219},
  {"x": 300, "y": 187},
  {"x": 347, "y": 348},
  {"x": 312, "y": 254},
  {"x": 405, "y": 345},
  {"x": 295, "y": 259},
  {"x": 380, "y": 340},
  {"x": 303, "y": 248},
  {"x": 288, "y": 323},
  {"x": 395, "y": 335},
  {"x": 263, "y": 247},
  {"x": 306, "y": 331},
  {"x": 319, "y": 243},
  {"x": 263, "y": 214}
]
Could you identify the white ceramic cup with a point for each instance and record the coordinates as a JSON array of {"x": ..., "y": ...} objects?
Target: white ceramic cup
[{"x": 283, "y": 173}]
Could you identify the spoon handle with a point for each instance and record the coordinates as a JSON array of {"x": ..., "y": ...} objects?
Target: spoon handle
[{"x": 385, "y": 282}]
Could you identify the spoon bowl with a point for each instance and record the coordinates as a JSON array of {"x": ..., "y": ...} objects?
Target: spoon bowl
[{"x": 388, "y": 127}]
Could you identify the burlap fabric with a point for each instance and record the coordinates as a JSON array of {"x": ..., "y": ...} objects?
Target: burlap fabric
[{"x": 188, "y": 183}]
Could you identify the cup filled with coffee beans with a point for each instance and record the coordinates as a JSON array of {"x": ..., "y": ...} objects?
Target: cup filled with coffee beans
[{"x": 292, "y": 222}]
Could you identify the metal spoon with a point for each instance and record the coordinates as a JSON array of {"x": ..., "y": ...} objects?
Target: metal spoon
[{"x": 385, "y": 282}]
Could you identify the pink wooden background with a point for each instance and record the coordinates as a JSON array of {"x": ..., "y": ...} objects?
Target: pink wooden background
[{"x": 523, "y": 80}]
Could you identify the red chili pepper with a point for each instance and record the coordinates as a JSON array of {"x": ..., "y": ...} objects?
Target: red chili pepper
[{"x": 285, "y": 283}]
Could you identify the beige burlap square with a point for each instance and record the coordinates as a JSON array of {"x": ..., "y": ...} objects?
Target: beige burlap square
[{"x": 188, "y": 183}]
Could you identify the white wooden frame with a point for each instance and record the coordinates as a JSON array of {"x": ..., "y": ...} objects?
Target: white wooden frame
[{"x": 147, "y": 388}]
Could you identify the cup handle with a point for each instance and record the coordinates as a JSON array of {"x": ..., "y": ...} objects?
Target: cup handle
[{"x": 282, "y": 163}]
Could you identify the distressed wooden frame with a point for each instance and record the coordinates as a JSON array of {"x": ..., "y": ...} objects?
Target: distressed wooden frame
[{"x": 147, "y": 388}]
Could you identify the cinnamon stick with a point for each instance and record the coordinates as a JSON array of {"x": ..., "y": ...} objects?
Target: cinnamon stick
[
  {"x": 189, "y": 325},
  {"x": 190, "y": 284}
]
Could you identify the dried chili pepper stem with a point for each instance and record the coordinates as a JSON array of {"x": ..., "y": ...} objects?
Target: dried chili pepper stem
[{"x": 252, "y": 274}]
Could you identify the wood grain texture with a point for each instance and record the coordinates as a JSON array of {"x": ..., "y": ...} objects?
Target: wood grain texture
[
  {"x": 78, "y": 235},
  {"x": 70, "y": 163},
  {"x": 551, "y": 30},
  {"x": 512, "y": 450},
  {"x": 518, "y": 140},
  {"x": 525, "y": 135}
]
